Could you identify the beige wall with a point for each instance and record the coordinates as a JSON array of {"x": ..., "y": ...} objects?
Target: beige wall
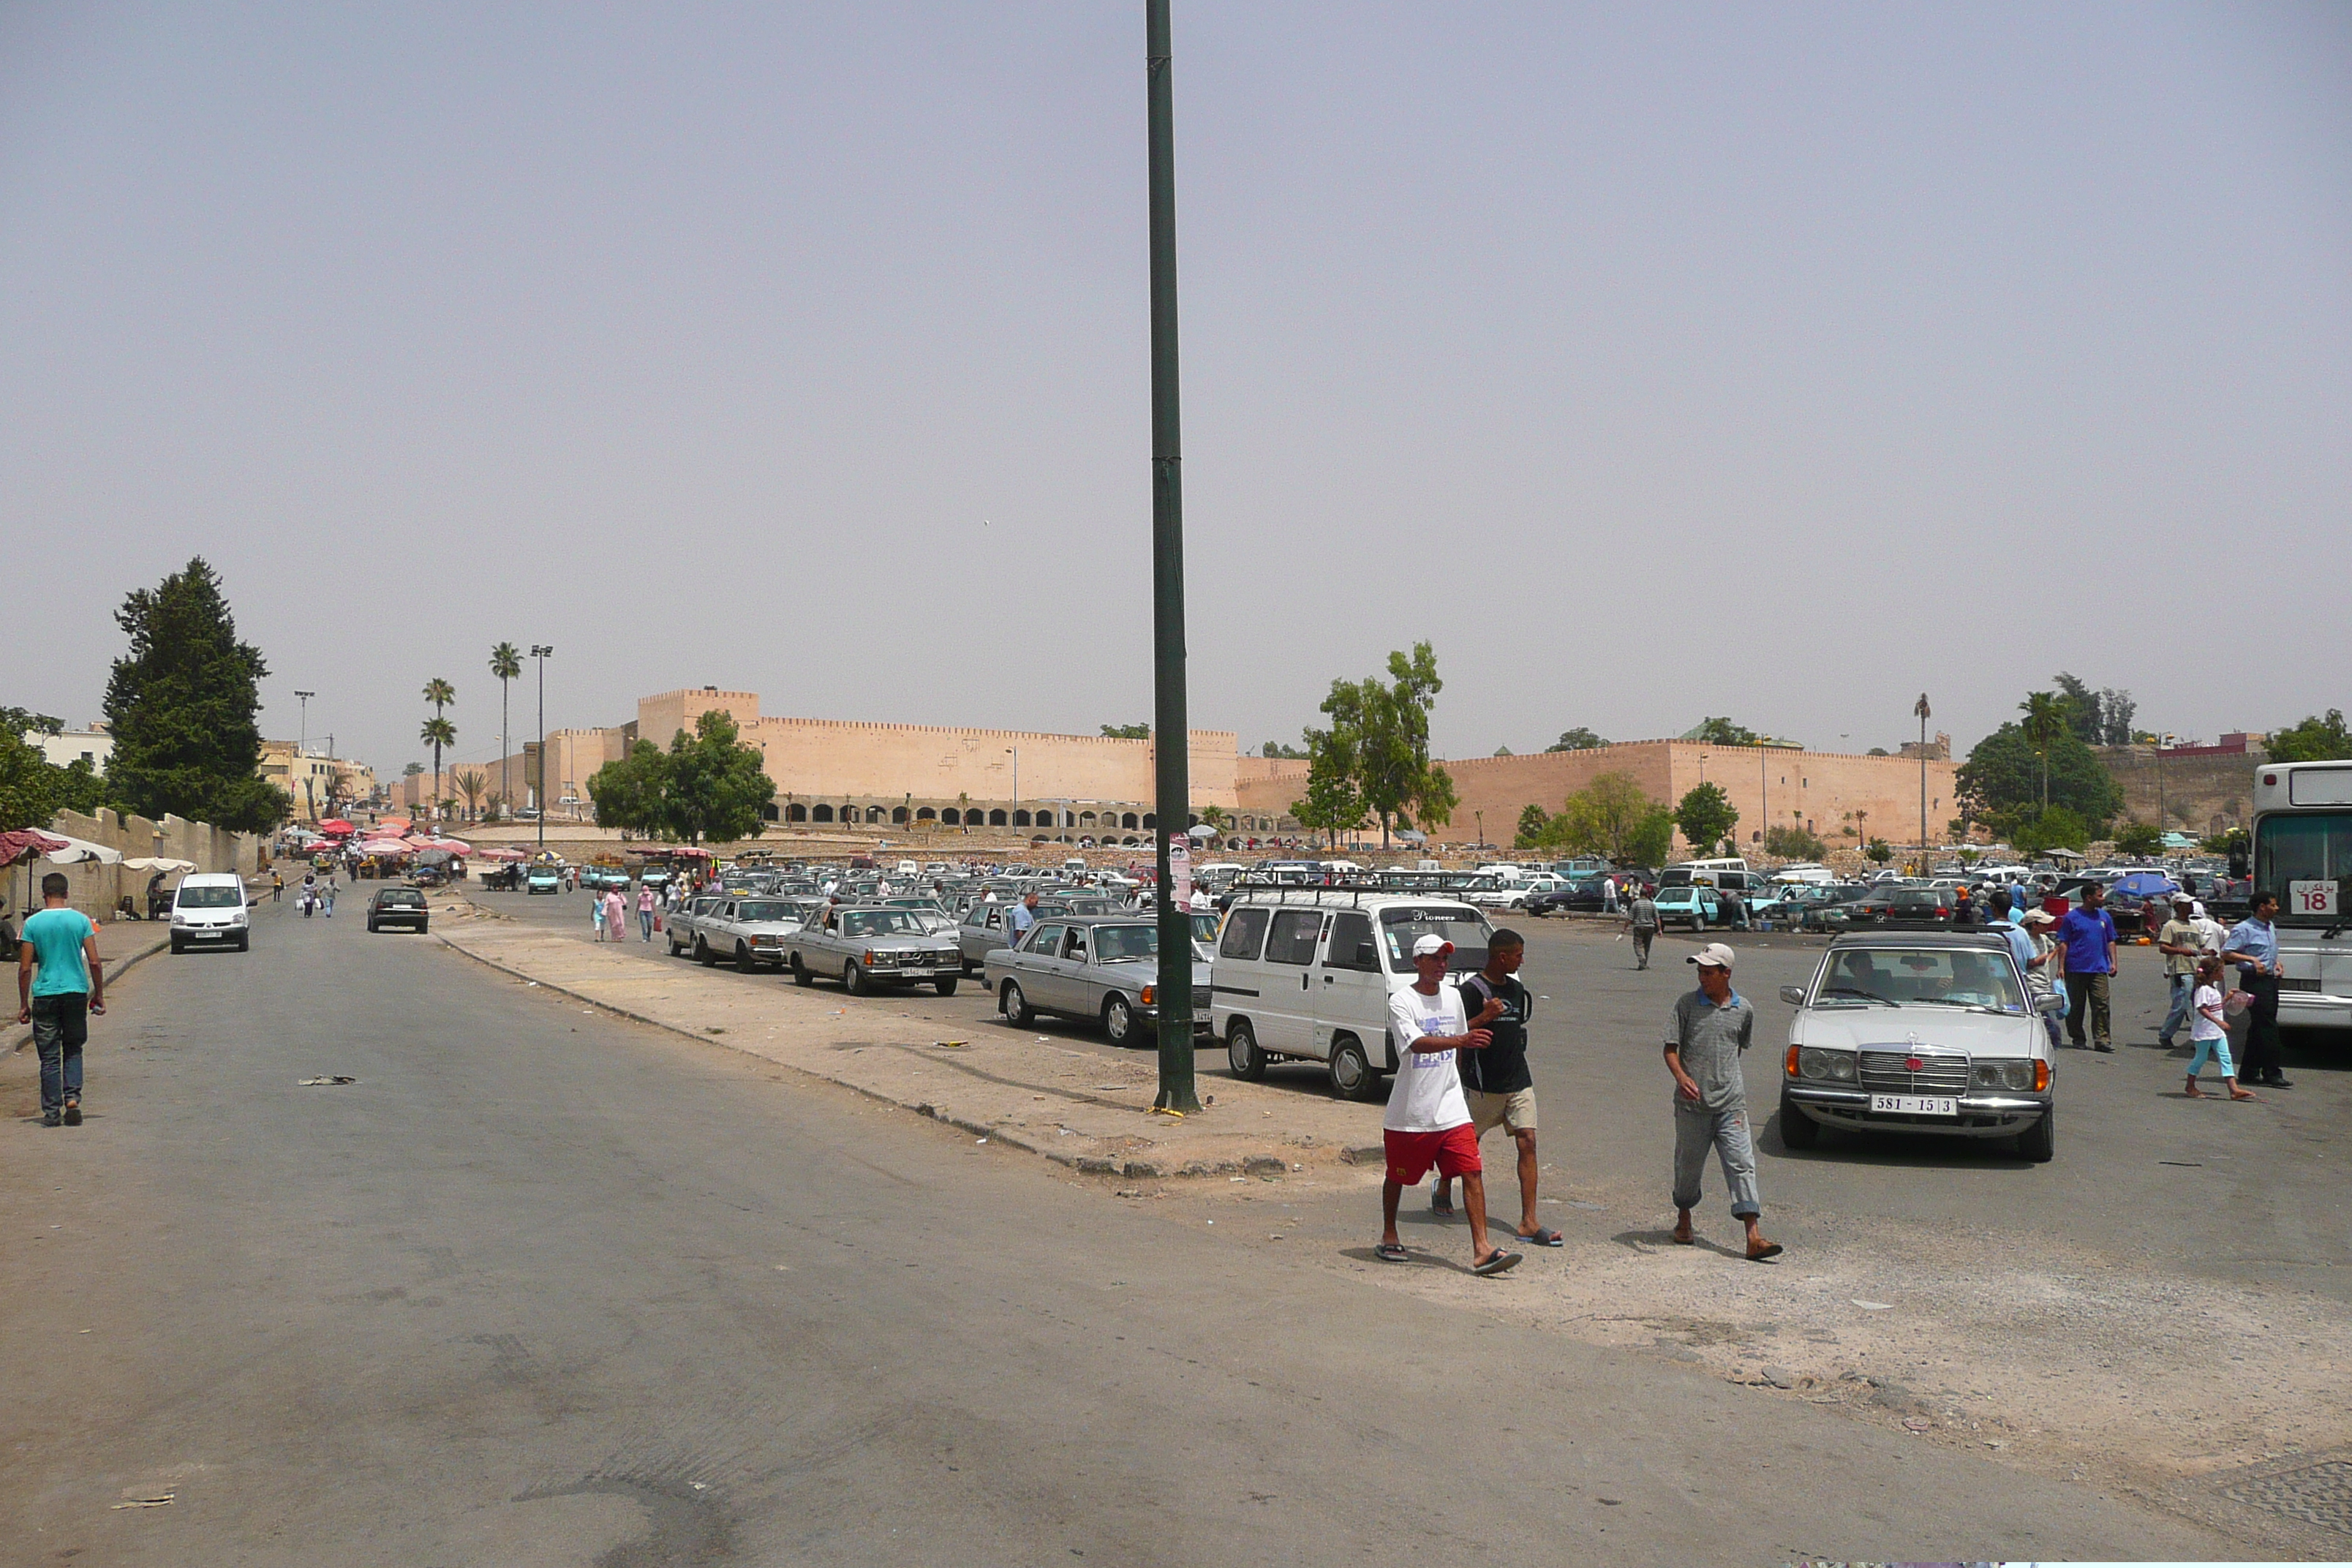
[
  {"x": 97, "y": 889},
  {"x": 835, "y": 760},
  {"x": 661, "y": 717},
  {"x": 2201, "y": 795}
]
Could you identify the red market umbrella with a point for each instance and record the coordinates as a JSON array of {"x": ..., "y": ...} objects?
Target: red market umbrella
[
  {"x": 26, "y": 842},
  {"x": 337, "y": 826},
  {"x": 391, "y": 825}
]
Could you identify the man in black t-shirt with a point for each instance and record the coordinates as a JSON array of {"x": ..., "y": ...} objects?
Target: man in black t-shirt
[{"x": 1495, "y": 1082}]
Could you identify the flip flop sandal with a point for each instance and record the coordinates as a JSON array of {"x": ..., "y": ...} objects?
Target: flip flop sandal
[
  {"x": 1544, "y": 1236},
  {"x": 1388, "y": 1252},
  {"x": 1442, "y": 1207},
  {"x": 1496, "y": 1262}
]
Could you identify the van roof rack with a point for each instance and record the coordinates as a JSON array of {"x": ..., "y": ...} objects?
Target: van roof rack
[{"x": 1350, "y": 887}]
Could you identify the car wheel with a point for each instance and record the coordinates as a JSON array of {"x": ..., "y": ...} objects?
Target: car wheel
[
  {"x": 674, "y": 948},
  {"x": 1014, "y": 1006},
  {"x": 178, "y": 947},
  {"x": 854, "y": 980},
  {"x": 1798, "y": 1131},
  {"x": 2040, "y": 1142},
  {"x": 420, "y": 928},
  {"x": 370, "y": 933},
  {"x": 1119, "y": 1020},
  {"x": 702, "y": 953},
  {"x": 1241, "y": 1053},
  {"x": 743, "y": 965},
  {"x": 1352, "y": 1076},
  {"x": 244, "y": 944},
  {"x": 946, "y": 986},
  {"x": 801, "y": 975}
]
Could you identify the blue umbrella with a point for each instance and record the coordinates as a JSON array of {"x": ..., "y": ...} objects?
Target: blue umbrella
[{"x": 2145, "y": 885}]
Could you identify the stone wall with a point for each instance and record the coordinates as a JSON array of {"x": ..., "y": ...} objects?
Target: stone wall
[
  {"x": 2198, "y": 794},
  {"x": 98, "y": 889}
]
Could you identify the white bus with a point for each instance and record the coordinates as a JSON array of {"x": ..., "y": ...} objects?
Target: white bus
[{"x": 2303, "y": 853}]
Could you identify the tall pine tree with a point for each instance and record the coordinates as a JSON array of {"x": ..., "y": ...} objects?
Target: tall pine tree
[{"x": 182, "y": 705}]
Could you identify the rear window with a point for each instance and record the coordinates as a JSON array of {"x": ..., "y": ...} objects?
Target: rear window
[
  {"x": 1244, "y": 934},
  {"x": 403, "y": 898},
  {"x": 1402, "y": 927},
  {"x": 216, "y": 897},
  {"x": 1292, "y": 940}
]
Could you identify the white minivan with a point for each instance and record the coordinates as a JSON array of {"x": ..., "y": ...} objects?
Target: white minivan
[
  {"x": 208, "y": 911},
  {"x": 1306, "y": 973}
]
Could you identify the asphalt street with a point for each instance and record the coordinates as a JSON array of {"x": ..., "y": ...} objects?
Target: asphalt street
[{"x": 541, "y": 1286}]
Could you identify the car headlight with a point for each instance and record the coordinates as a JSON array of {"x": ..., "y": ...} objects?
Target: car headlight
[
  {"x": 2018, "y": 1075},
  {"x": 1834, "y": 1066},
  {"x": 178, "y": 919}
]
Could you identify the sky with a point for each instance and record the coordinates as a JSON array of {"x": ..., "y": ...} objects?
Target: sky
[{"x": 1652, "y": 363}]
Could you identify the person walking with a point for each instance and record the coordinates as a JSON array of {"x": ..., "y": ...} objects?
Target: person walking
[
  {"x": 1428, "y": 1121},
  {"x": 2088, "y": 935},
  {"x": 1019, "y": 918},
  {"x": 1709, "y": 1029},
  {"x": 60, "y": 986},
  {"x": 327, "y": 897},
  {"x": 2210, "y": 1034},
  {"x": 277, "y": 886},
  {"x": 2042, "y": 979},
  {"x": 1964, "y": 911},
  {"x": 646, "y": 909},
  {"x": 2252, "y": 946},
  {"x": 1495, "y": 1083},
  {"x": 616, "y": 916},
  {"x": 309, "y": 896},
  {"x": 2181, "y": 946},
  {"x": 596, "y": 916},
  {"x": 1641, "y": 920}
]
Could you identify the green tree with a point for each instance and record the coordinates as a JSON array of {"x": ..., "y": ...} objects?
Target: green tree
[
  {"x": 1399, "y": 783},
  {"x": 2060, "y": 828},
  {"x": 1577, "y": 740},
  {"x": 1706, "y": 816},
  {"x": 1278, "y": 748},
  {"x": 29, "y": 785},
  {"x": 506, "y": 667},
  {"x": 1533, "y": 821},
  {"x": 1880, "y": 851},
  {"x": 1612, "y": 817},
  {"x": 2082, "y": 715},
  {"x": 1793, "y": 844},
  {"x": 2234, "y": 842},
  {"x": 1332, "y": 804},
  {"x": 2047, "y": 721},
  {"x": 714, "y": 785},
  {"x": 2139, "y": 839},
  {"x": 2316, "y": 740},
  {"x": 438, "y": 732},
  {"x": 1723, "y": 732},
  {"x": 1127, "y": 731},
  {"x": 182, "y": 705},
  {"x": 471, "y": 785},
  {"x": 2008, "y": 775},
  {"x": 629, "y": 791}
]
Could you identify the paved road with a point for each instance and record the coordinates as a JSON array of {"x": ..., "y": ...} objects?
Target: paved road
[{"x": 542, "y": 1286}]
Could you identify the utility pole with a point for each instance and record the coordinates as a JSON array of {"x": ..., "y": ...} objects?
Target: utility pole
[
  {"x": 1921, "y": 709},
  {"x": 1171, "y": 727},
  {"x": 301, "y": 745},
  {"x": 541, "y": 651},
  {"x": 1014, "y": 752},
  {"x": 1764, "y": 791},
  {"x": 2161, "y": 741}
]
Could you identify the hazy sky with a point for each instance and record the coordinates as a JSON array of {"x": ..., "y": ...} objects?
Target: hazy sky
[{"x": 1651, "y": 361}]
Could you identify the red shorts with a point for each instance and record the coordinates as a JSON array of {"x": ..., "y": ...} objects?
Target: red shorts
[{"x": 1454, "y": 1152}]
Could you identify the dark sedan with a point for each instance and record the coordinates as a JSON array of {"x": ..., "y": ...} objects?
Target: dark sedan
[
  {"x": 1589, "y": 897},
  {"x": 396, "y": 907},
  {"x": 1904, "y": 909}
]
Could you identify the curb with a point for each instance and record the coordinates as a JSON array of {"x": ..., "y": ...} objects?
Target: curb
[{"x": 1254, "y": 1165}]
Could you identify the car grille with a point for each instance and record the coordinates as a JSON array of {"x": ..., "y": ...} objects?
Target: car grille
[{"x": 1887, "y": 1072}]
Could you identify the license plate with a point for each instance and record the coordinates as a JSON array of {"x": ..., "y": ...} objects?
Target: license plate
[{"x": 1916, "y": 1104}]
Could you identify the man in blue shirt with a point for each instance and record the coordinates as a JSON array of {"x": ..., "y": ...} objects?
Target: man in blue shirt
[
  {"x": 2252, "y": 946},
  {"x": 2088, "y": 935},
  {"x": 2003, "y": 919},
  {"x": 60, "y": 983}
]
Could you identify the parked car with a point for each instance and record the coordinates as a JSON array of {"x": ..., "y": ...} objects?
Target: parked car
[
  {"x": 544, "y": 879},
  {"x": 208, "y": 909},
  {"x": 1924, "y": 1032},
  {"x": 403, "y": 907},
  {"x": 1096, "y": 967},
  {"x": 1590, "y": 896},
  {"x": 871, "y": 946},
  {"x": 1689, "y": 904},
  {"x": 1305, "y": 974},
  {"x": 754, "y": 932}
]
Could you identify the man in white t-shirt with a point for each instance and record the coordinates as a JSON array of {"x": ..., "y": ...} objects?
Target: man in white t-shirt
[{"x": 1428, "y": 1119}]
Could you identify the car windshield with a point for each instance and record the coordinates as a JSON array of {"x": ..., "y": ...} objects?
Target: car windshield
[
  {"x": 1126, "y": 944},
  {"x": 767, "y": 910},
  {"x": 880, "y": 923},
  {"x": 2307, "y": 860},
  {"x": 212, "y": 898},
  {"x": 1402, "y": 927},
  {"x": 1923, "y": 977}
]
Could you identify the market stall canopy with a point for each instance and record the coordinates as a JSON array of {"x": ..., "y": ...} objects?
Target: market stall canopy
[
  {"x": 26, "y": 842},
  {"x": 454, "y": 846},
  {"x": 336, "y": 825},
  {"x": 383, "y": 846},
  {"x": 1201, "y": 830},
  {"x": 498, "y": 854},
  {"x": 75, "y": 851},
  {"x": 395, "y": 824},
  {"x": 159, "y": 862}
]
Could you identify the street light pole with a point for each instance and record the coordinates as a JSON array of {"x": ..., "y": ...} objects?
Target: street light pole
[
  {"x": 1171, "y": 726},
  {"x": 302, "y": 745},
  {"x": 1764, "y": 791},
  {"x": 541, "y": 651},
  {"x": 1921, "y": 709},
  {"x": 1014, "y": 752}
]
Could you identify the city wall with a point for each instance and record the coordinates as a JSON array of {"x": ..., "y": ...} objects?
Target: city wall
[
  {"x": 2197, "y": 794},
  {"x": 98, "y": 889}
]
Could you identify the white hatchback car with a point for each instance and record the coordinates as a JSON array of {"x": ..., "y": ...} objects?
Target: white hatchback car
[{"x": 208, "y": 909}]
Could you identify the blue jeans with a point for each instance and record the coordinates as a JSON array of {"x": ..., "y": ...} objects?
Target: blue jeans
[
  {"x": 646, "y": 924},
  {"x": 2184, "y": 988},
  {"x": 1697, "y": 1129},
  {"x": 60, "y": 1029}
]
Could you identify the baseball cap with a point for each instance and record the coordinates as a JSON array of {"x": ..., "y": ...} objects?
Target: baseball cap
[
  {"x": 1714, "y": 955},
  {"x": 1428, "y": 944},
  {"x": 2183, "y": 897},
  {"x": 2038, "y": 917}
]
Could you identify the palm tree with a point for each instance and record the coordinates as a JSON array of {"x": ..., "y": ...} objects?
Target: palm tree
[
  {"x": 2046, "y": 721},
  {"x": 471, "y": 783},
  {"x": 506, "y": 665},
  {"x": 438, "y": 732}
]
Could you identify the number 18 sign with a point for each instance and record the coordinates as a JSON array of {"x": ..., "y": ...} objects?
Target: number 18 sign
[{"x": 2313, "y": 898}]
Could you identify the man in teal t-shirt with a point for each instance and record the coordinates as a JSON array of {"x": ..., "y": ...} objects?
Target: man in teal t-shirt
[{"x": 59, "y": 982}]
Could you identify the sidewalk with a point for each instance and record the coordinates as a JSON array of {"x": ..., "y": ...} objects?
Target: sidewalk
[
  {"x": 120, "y": 946},
  {"x": 1078, "y": 1107}
]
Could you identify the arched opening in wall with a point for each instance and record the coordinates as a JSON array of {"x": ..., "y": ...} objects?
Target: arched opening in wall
[
  {"x": 1128, "y": 821},
  {"x": 874, "y": 815},
  {"x": 822, "y": 813},
  {"x": 796, "y": 812},
  {"x": 1147, "y": 821},
  {"x": 899, "y": 815},
  {"x": 767, "y": 812},
  {"x": 1020, "y": 819},
  {"x": 925, "y": 813},
  {"x": 996, "y": 818},
  {"x": 948, "y": 816},
  {"x": 1085, "y": 820}
]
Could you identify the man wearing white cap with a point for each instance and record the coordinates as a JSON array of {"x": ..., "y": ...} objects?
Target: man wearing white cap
[
  {"x": 1710, "y": 1028},
  {"x": 1428, "y": 1119}
]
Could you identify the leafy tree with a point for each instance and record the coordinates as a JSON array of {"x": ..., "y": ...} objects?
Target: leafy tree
[
  {"x": 2060, "y": 828},
  {"x": 1650, "y": 840},
  {"x": 506, "y": 667},
  {"x": 1277, "y": 749},
  {"x": 1706, "y": 816},
  {"x": 1332, "y": 804},
  {"x": 2008, "y": 777},
  {"x": 438, "y": 732},
  {"x": 2316, "y": 740},
  {"x": 29, "y": 792},
  {"x": 1384, "y": 729},
  {"x": 1533, "y": 820},
  {"x": 1723, "y": 732},
  {"x": 1127, "y": 731},
  {"x": 2234, "y": 843},
  {"x": 2139, "y": 839},
  {"x": 2082, "y": 709},
  {"x": 1878, "y": 751},
  {"x": 182, "y": 705},
  {"x": 628, "y": 792},
  {"x": 714, "y": 784},
  {"x": 1577, "y": 740},
  {"x": 1793, "y": 844},
  {"x": 1613, "y": 819},
  {"x": 2116, "y": 711},
  {"x": 2046, "y": 722},
  {"x": 1880, "y": 852}
]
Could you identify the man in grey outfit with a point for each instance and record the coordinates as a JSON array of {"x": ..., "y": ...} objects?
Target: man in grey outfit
[
  {"x": 1710, "y": 1028},
  {"x": 1641, "y": 920}
]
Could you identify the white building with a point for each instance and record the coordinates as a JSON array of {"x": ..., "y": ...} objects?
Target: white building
[{"x": 93, "y": 745}]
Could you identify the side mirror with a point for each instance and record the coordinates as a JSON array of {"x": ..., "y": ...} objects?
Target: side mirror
[
  {"x": 2053, "y": 1003},
  {"x": 1794, "y": 995}
]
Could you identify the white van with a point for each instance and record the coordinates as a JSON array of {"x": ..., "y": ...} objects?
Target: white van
[
  {"x": 1306, "y": 973},
  {"x": 1731, "y": 876},
  {"x": 1807, "y": 873},
  {"x": 208, "y": 911}
]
